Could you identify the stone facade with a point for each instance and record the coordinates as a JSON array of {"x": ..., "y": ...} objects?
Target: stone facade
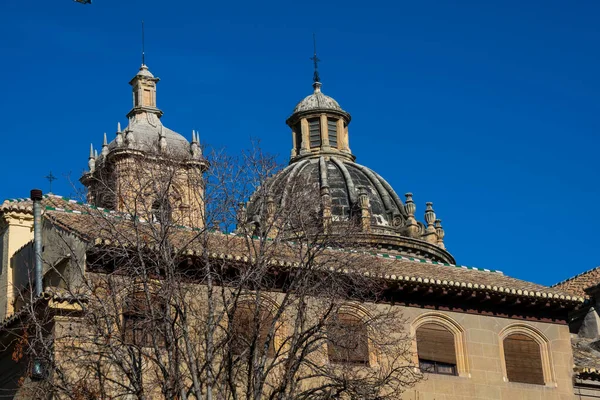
[
  {"x": 485, "y": 374},
  {"x": 480, "y": 308}
]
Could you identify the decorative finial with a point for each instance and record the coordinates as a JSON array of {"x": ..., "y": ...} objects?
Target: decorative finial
[
  {"x": 118, "y": 127},
  {"x": 50, "y": 178},
  {"x": 315, "y": 60},
  {"x": 411, "y": 222},
  {"x": 429, "y": 215},
  {"x": 104, "y": 146},
  {"x": 92, "y": 159},
  {"x": 430, "y": 234},
  {"x": 440, "y": 233},
  {"x": 195, "y": 145},
  {"x": 410, "y": 206},
  {"x": 143, "y": 52}
]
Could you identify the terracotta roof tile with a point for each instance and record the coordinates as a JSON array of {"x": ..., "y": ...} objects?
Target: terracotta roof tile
[
  {"x": 579, "y": 283},
  {"x": 96, "y": 227},
  {"x": 91, "y": 224}
]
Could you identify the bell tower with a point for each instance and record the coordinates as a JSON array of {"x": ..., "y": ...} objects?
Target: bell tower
[{"x": 148, "y": 170}]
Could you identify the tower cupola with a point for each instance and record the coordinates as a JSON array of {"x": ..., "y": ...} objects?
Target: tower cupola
[
  {"x": 319, "y": 125},
  {"x": 144, "y": 93},
  {"x": 338, "y": 194}
]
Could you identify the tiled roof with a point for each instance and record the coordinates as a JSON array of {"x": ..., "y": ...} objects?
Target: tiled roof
[
  {"x": 25, "y": 205},
  {"x": 98, "y": 226},
  {"x": 56, "y": 295},
  {"x": 579, "y": 283},
  {"x": 586, "y": 357}
]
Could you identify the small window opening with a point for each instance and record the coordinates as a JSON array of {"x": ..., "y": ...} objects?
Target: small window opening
[
  {"x": 298, "y": 136},
  {"x": 348, "y": 340},
  {"x": 332, "y": 132},
  {"x": 435, "y": 348},
  {"x": 142, "y": 320},
  {"x": 250, "y": 331},
  {"x": 314, "y": 132},
  {"x": 161, "y": 211}
]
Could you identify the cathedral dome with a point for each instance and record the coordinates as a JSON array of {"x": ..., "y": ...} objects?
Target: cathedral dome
[
  {"x": 341, "y": 190},
  {"x": 345, "y": 181},
  {"x": 145, "y": 132},
  {"x": 324, "y": 180},
  {"x": 317, "y": 101}
]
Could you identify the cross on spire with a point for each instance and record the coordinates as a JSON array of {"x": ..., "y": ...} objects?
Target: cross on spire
[
  {"x": 316, "y": 61},
  {"x": 50, "y": 178}
]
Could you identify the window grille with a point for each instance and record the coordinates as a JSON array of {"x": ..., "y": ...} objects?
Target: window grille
[
  {"x": 332, "y": 132},
  {"x": 314, "y": 132}
]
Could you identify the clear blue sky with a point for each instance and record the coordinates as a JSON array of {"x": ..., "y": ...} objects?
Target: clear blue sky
[{"x": 488, "y": 109}]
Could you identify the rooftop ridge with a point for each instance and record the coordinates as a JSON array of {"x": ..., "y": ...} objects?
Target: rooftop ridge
[
  {"x": 576, "y": 276},
  {"x": 534, "y": 293},
  {"x": 371, "y": 253}
]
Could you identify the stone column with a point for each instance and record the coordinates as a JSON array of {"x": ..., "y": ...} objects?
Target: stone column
[
  {"x": 294, "y": 144},
  {"x": 324, "y": 132},
  {"x": 305, "y": 144},
  {"x": 341, "y": 141},
  {"x": 343, "y": 136},
  {"x": 365, "y": 209}
]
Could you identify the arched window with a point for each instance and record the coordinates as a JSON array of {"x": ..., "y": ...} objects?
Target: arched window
[
  {"x": 348, "y": 340},
  {"x": 436, "y": 350},
  {"x": 523, "y": 359},
  {"x": 142, "y": 320},
  {"x": 250, "y": 330}
]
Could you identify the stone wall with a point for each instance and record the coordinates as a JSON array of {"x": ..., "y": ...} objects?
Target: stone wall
[{"x": 485, "y": 376}]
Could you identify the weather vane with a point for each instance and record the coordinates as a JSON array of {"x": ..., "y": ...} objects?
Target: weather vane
[
  {"x": 51, "y": 178},
  {"x": 315, "y": 61}
]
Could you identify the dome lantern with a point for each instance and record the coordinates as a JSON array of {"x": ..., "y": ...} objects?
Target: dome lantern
[{"x": 319, "y": 125}]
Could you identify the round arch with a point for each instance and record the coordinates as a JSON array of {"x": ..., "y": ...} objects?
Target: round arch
[
  {"x": 460, "y": 342},
  {"x": 540, "y": 339}
]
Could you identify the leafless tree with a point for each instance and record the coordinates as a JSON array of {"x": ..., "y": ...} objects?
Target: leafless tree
[{"x": 143, "y": 303}]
